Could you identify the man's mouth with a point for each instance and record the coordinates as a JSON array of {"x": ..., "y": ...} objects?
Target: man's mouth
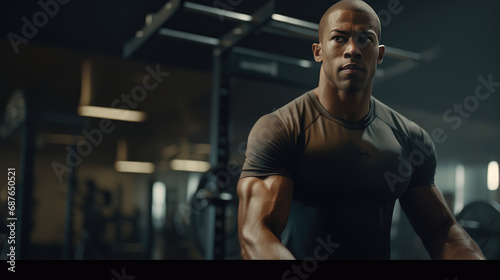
[{"x": 351, "y": 68}]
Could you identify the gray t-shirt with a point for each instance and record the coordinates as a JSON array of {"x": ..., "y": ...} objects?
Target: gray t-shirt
[{"x": 347, "y": 176}]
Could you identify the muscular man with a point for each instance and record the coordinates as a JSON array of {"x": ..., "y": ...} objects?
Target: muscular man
[{"x": 323, "y": 172}]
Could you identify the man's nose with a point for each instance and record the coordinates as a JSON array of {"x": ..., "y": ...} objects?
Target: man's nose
[{"x": 352, "y": 49}]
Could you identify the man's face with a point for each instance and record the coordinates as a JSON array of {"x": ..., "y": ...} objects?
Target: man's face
[{"x": 349, "y": 50}]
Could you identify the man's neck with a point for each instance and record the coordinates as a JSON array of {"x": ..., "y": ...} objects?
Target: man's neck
[{"x": 349, "y": 106}]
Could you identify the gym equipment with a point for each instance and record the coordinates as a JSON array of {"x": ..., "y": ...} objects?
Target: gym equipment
[
  {"x": 24, "y": 119},
  {"x": 194, "y": 220},
  {"x": 92, "y": 244},
  {"x": 481, "y": 219}
]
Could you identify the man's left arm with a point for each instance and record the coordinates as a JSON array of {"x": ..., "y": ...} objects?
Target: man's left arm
[{"x": 436, "y": 226}]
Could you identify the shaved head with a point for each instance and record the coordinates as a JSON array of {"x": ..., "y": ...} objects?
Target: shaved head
[
  {"x": 354, "y": 5},
  {"x": 348, "y": 47}
]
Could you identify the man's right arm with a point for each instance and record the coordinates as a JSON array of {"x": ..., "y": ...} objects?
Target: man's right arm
[{"x": 264, "y": 206}]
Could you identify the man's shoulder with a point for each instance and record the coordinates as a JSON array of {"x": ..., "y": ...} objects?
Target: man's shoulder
[
  {"x": 298, "y": 105},
  {"x": 295, "y": 113},
  {"x": 397, "y": 121}
]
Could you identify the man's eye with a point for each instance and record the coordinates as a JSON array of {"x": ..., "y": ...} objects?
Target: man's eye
[
  {"x": 364, "y": 39},
  {"x": 338, "y": 38}
]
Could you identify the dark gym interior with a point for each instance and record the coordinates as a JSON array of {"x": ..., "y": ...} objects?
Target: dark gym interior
[{"x": 125, "y": 122}]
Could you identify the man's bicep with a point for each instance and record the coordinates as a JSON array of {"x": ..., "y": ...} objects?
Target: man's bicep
[
  {"x": 264, "y": 202},
  {"x": 427, "y": 210}
]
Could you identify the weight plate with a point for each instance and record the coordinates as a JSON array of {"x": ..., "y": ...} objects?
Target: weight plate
[{"x": 481, "y": 219}]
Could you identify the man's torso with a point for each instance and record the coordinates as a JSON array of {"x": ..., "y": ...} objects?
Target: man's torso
[{"x": 347, "y": 177}]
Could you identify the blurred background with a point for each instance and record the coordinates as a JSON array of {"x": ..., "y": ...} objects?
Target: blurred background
[{"x": 126, "y": 121}]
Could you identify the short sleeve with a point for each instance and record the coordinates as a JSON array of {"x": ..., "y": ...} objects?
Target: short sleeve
[
  {"x": 268, "y": 149},
  {"x": 423, "y": 159}
]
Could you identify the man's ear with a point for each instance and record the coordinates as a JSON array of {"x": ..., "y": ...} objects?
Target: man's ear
[
  {"x": 381, "y": 52},
  {"x": 316, "y": 49}
]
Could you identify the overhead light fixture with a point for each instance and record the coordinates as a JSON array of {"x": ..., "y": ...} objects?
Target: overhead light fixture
[
  {"x": 189, "y": 165},
  {"x": 112, "y": 113},
  {"x": 493, "y": 176},
  {"x": 135, "y": 167}
]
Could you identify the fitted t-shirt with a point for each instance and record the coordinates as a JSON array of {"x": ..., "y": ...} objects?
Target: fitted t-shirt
[{"x": 346, "y": 175}]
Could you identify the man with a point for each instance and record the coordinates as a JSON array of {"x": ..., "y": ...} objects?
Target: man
[{"x": 323, "y": 172}]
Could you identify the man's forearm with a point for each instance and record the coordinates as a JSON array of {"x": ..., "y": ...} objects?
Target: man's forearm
[
  {"x": 264, "y": 245},
  {"x": 460, "y": 246}
]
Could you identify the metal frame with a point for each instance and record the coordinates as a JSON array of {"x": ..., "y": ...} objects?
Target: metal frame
[
  {"x": 267, "y": 21},
  {"x": 28, "y": 129},
  {"x": 275, "y": 24},
  {"x": 153, "y": 23}
]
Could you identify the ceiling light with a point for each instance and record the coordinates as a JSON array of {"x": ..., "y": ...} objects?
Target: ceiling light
[
  {"x": 112, "y": 113},
  {"x": 493, "y": 176},
  {"x": 134, "y": 167},
  {"x": 189, "y": 165}
]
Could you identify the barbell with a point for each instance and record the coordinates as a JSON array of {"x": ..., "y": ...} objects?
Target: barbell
[{"x": 481, "y": 220}]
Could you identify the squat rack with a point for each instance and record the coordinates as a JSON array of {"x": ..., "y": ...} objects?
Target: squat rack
[{"x": 229, "y": 58}]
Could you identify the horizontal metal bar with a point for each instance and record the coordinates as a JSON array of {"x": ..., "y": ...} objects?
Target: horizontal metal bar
[
  {"x": 261, "y": 16},
  {"x": 309, "y": 30},
  {"x": 215, "y": 11},
  {"x": 284, "y": 29},
  {"x": 400, "y": 68},
  {"x": 390, "y": 51},
  {"x": 292, "y": 26},
  {"x": 189, "y": 36},
  {"x": 401, "y": 54},
  {"x": 295, "y": 21},
  {"x": 153, "y": 22},
  {"x": 274, "y": 57}
]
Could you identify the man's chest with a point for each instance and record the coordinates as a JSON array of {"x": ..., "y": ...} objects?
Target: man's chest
[{"x": 337, "y": 160}]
